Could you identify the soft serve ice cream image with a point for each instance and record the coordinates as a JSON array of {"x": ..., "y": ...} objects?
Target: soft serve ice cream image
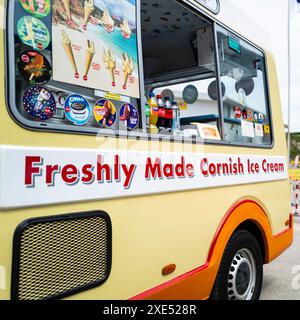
[
  {"x": 66, "y": 42},
  {"x": 125, "y": 29},
  {"x": 110, "y": 64},
  {"x": 128, "y": 68},
  {"x": 88, "y": 10},
  {"x": 107, "y": 21}
]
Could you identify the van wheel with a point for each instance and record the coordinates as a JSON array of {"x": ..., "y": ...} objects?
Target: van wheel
[{"x": 241, "y": 271}]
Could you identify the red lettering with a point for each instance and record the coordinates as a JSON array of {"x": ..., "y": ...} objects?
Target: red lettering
[
  {"x": 31, "y": 170},
  {"x": 50, "y": 173},
  {"x": 70, "y": 174},
  {"x": 103, "y": 167},
  {"x": 179, "y": 169},
  {"x": 153, "y": 169},
  {"x": 168, "y": 171},
  {"x": 129, "y": 174},
  {"x": 87, "y": 174},
  {"x": 190, "y": 170}
]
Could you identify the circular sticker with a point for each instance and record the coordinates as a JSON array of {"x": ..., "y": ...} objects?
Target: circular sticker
[
  {"x": 39, "y": 103},
  {"x": 105, "y": 113},
  {"x": 250, "y": 115},
  {"x": 255, "y": 117},
  {"x": 261, "y": 118},
  {"x": 77, "y": 109},
  {"x": 38, "y": 8},
  {"x": 245, "y": 114},
  {"x": 190, "y": 94},
  {"x": 238, "y": 112},
  {"x": 34, "y": 67},
  {"x": 129, "y": 116},
  {"x": 33, "y": 32},
  {"x": 213, "y": 90}
]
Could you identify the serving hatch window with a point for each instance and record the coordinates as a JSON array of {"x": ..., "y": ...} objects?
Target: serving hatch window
[
  {"x": 74, "y": 65},
  {"x": 180, "y": 71}
]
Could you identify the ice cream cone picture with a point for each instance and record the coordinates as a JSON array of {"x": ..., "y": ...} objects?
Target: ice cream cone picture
[
  {"x": 69, "y": 52},
  {"x": 31, "y": 5},
  {"x": 30, "y": 34},
  {"x": 110, "y": 64},
  {"x": 88, "y": 10},
  {"x": 90, "y": 52},
  {"x": 107, "y": 22},
  {"x": 70, "y": 21},
  {"x": 128, "y": 68},
  {"x": 125, "y": 29}
]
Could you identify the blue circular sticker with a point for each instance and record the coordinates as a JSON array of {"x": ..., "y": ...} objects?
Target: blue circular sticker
[
  {"x": 261, "y": 118},
  {"x": 39, "y": 103},
  {"x": 77, "y": 109},
  {"x": 129, "y": 116}
]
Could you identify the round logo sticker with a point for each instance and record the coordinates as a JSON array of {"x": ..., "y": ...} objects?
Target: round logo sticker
[
  {"x": 33, "y": 32},
  {"x": 39, "y": 103},
  {"x": 38, "y": 8},
  {"x": 245, "y": 114},
  {"x": 250, "y": 115},
  {"x": 105, "y": 113},
  {"x": 261, "y": 118},
  {"x": 238, "y": 112},
  {"x": 77, "y": 109},
  {"x": 129, "y": 116},
  {"x": 34, "y": 67},
  {"x": 255, "y": 117}
]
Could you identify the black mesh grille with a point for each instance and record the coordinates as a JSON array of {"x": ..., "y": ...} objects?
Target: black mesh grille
[{"x": 60, "y": 256}]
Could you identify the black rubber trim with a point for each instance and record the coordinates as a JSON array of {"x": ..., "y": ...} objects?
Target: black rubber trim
[{"x": 73, "y": 216}]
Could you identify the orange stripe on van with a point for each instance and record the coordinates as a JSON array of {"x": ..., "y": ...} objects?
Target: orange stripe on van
[{"x": 198, "y": 283}]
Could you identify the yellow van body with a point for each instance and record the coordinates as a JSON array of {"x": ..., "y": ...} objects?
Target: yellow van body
[{"x": 149, "y": 232}]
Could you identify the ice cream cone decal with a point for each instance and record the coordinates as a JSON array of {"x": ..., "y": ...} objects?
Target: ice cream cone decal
[
  {"x": 110, "y": 64},
  {"x": 90, "y": 52},
  {"x": 88, "y": 10},
  {"x": 31, "y": 5},
  {"x": 30, "y": 34},
  {"x": 70, "y": 22},
  {"x": 107, "y": 22},
  {"x": 125, "y": 29},
  {"x": 128, "y": 68},
  {"x": 69, "y": 52}
]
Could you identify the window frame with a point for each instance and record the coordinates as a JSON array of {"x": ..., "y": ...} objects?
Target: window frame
[{"x": 138, "y": 135}]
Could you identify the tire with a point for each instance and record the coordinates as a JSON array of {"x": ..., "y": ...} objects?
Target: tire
[{"x": 241, "y": 271}]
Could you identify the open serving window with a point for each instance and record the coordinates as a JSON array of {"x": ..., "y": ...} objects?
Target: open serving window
[{"x": 152, "y": 68}]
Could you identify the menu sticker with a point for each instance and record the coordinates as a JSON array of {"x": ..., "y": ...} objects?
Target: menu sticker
[
  {"x": 129, "y": 116},
  {"x": 77, "y": 109},
  {"x": 105, "y": 113},
  {"x": 248, "y": 129},
  {"x": 33, "y": 32},
  {"x": 39, "y": 103},
  {"x": 34, "y": 67},
  {"x": 97, "y": 44},
  {"x": 38, "y": 8},
  {"x": 208, "y": 132},
  {"x": 259, "y": 130}
]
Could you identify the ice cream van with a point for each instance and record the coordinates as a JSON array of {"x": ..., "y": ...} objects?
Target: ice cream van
[{"x": 142, "y": 151}]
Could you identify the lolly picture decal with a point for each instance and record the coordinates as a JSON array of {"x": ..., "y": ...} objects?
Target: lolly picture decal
[
  {"x": 34, "y": 67},
  {"x": 77, "y": 109},
  {"x": 98, "y": 40},
  {"x": 33, "y": 32},
  {"x": 39, "y": 103},
  {"x": 105, "y": 113},
  {"x": 129, "y": 116},
  {"x": 38, "y": 8}
]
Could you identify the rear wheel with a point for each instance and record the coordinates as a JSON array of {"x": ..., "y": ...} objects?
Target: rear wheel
[{"x": 241, "y": 270}]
